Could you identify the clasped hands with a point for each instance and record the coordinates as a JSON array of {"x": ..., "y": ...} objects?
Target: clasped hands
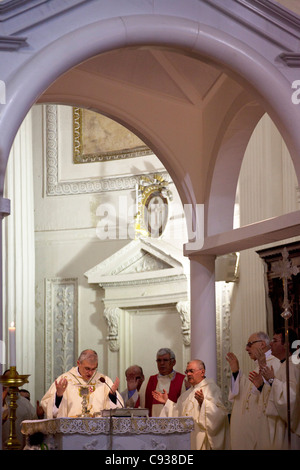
[
  {"x": 266, "y": 372},
  {"x": 256, "y": 378}
]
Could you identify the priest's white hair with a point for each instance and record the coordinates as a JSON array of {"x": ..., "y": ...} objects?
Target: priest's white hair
[{"x": 88, "y": 355}]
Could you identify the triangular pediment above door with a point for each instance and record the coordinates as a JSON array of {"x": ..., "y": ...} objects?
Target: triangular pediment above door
[{"x": 140, "y": 261}]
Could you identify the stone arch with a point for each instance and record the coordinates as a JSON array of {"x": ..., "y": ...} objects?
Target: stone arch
[{"x": 254, "y": 72}]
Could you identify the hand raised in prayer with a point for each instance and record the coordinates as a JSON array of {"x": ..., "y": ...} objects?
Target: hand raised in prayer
[
  {"x": 233, "y": 362},
  {"x": 267, "y": 372},
  {"x": 160, "y": 397},
  {"x": 199, "y": 396},
  {"x": 256, "y": 379},
  {"x": 260, "y": 355},
  {"x": 115, "y": 385},
  {"x": 132, "y": 383},
  {"x": 61, "y": 386}
]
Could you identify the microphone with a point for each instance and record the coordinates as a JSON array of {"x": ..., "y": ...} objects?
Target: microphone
[{"x": 102, "y": 380}]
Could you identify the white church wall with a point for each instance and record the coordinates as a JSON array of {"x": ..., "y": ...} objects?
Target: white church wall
[
  {"x": 70, "y": 239},
  {"x": 19, "y": 254},
  {"x": 136, "y": 348}
]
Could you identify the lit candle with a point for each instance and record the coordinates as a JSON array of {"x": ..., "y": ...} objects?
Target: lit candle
[{"x": 12, "y": 345}]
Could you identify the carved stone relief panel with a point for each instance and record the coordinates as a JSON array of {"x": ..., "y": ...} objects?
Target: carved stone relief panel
[
  {"x": 60, "y": 326},
  {"x": 112, "y": 315},
  {"x": 183, "y": 308}
]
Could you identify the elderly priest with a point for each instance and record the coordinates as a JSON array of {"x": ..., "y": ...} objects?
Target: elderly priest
[
  {"x": 202, "y": 401},
  {"x": 82, "y": 391}
]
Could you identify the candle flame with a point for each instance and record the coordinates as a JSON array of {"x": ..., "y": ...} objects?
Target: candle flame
[{"x": 12, "y": 325}]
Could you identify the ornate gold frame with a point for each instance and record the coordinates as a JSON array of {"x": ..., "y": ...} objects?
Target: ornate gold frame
[
  {"x": 147, "y": 189},
  {"x": 78, "y": 144}
]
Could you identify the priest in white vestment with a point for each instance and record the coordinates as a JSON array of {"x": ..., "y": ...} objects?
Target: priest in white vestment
[
  {"x": 81, "y": 390},
  {"x": 248, "y": 421},
  {"x": 202, "y": 401},
  {"x": 277, "y": 403}
]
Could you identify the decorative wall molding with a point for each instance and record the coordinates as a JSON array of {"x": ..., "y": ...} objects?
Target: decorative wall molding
[
  {"x": 112, "y": 315},
  {"x": 55, "y": 187},
  {"x": 183, "y": 308},
  {"x": 10, "y": 8},
  {"x": 119, "y": 425},
  {"x": 30, "y": 13},
  {"x": 268, "y": 19},
  {"x": 274, "y": 13},
  {"x": 61, "y": 311},
  {"x": 78, "y": 135}
]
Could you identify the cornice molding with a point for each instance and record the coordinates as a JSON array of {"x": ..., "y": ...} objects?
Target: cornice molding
[
  {"x": 263, "y": 10},
  {"x": 144, "y": 282},
  {"x": 271, "y": 11},
  {"x": 291, "y": 59},
  {"x": 12, "y": 43},
  {"x": 30, "y": 13},
  {"x": 274, "y": 13},
  {"x": 11, "y": 8},
  {"x": 9, "y": 5}
]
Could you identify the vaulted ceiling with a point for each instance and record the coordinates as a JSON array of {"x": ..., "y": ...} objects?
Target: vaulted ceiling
[{"x": 167, "y": 73}]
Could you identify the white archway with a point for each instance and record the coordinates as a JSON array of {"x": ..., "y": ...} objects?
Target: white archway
[
  {"x": 251, "y": 70},
  {"x": 247, "y": 65}
]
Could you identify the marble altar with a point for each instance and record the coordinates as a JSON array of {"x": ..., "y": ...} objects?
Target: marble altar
[{"x": 111, "y": 433}]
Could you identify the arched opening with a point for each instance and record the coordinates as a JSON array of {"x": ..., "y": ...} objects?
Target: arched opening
[
  {"x": 149, "y": 117},
  {"x": 267, "y": 188}
]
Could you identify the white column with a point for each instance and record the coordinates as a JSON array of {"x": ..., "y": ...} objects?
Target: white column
[
  {"x": 19, "y": 251},
  {"x": 203, "y": 312}
]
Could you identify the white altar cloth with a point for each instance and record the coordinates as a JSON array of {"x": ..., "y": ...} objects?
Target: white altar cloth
[{"x": 135, "y": 433}]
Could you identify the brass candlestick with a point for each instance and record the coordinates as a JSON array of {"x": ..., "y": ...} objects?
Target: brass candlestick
[{"x": 13, "y": 381}]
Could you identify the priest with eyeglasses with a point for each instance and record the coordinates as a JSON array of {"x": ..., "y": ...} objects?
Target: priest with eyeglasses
[
  {"x": 202, "y": 401},
  {"x": 248, "y": 423},
  {"x": 82, "y": 391}
]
